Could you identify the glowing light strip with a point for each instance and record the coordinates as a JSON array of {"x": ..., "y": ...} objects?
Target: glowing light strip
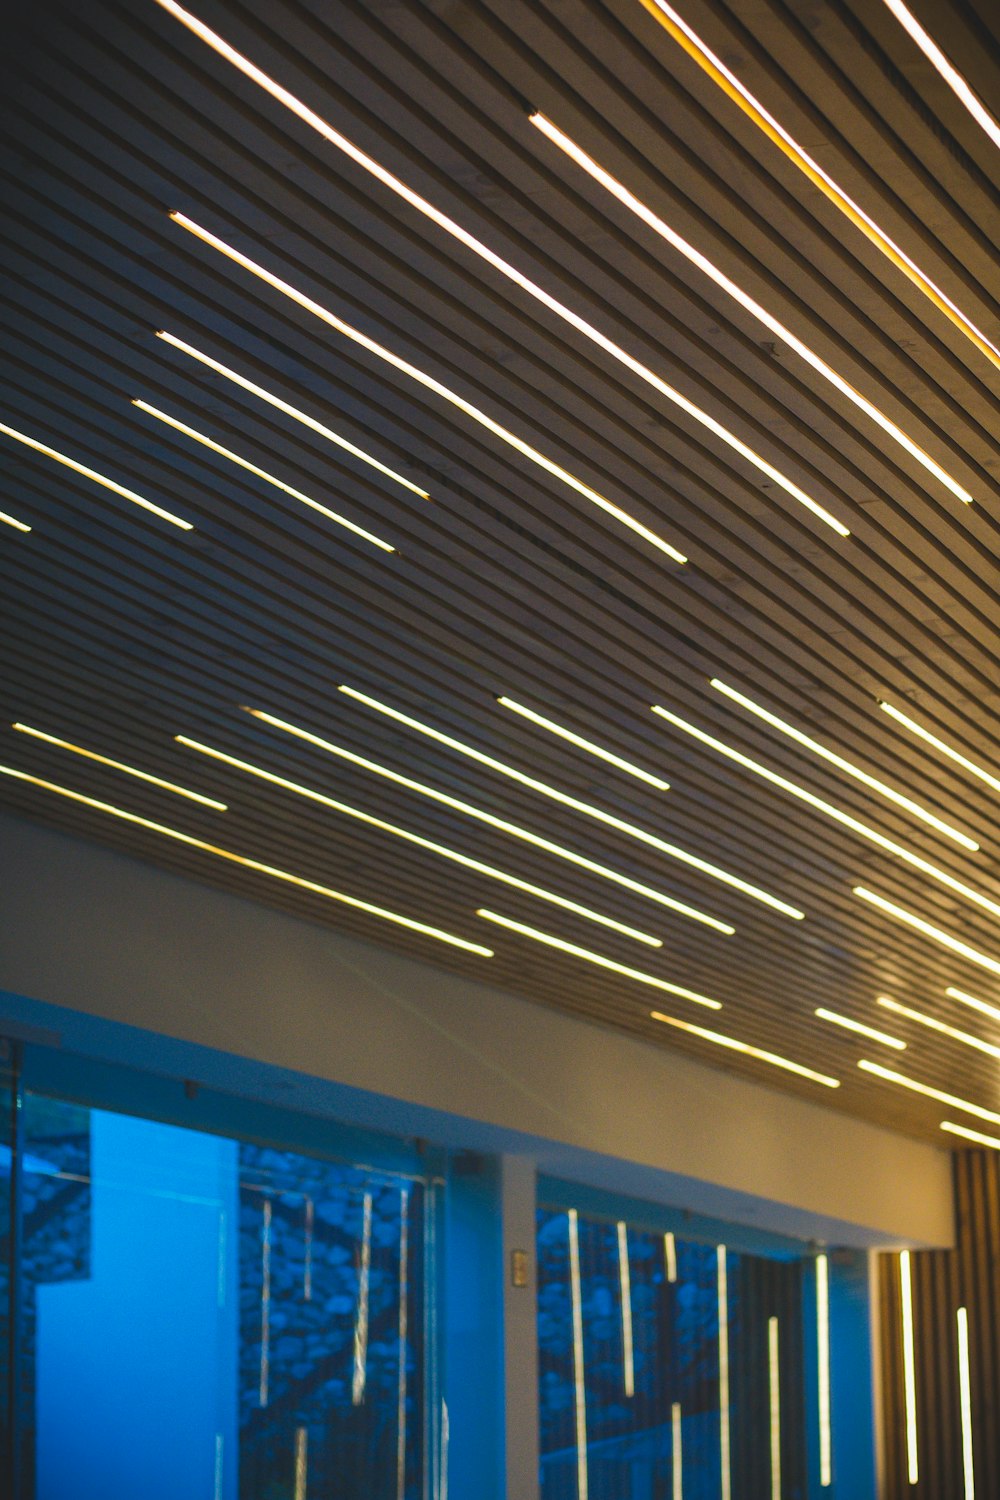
[
  {"x": 310, "y": 1216},
  {"x": 429, "y": 383},
  {"x": 965, "y": 1394},
  {"x": 774, "y": 1406},
  {"x": 451, "y": 227},
  {"x": 909, "y": 1368},
  {"x": 987, "y": 1010},
  {"x": 579, "y": 1387},
  {"x": 971, "y": 1135},
  {"x": 952, "y": 77},
  {"x": 725, "y": 79},
  {"x": 582, "y": 744},
  {"x": 676, "y": 1452},
  {"x": 253, "y": 864},
  {"x": 290, "y": 411},
  {"x": 494, "y": 822},
  {"x": 823, "y": 1368},
  {"x": 301, "y": 1462},
  {"x": 931, "y": 1093},
  {"x": 850, "y": 1024},
  {"x": 829, "y": 810},
  {"x": 361, "y": 1322},
  {"x": 932, "y": 739},
  {"x": 265, "y": 1305},
  {"x": 846, "y": 766},
  {"x": 746, "y": 1049},
  {"x": 670, "y": 1256},
  {"x": 625, "y": 1290},
  {"x": 117, "y": 765},
  {"x": 422, "y": 843},
  {"x": 279, "y": 484},
  {"x": 102, "y": 479},
  {"x": 722, "y": 1294},
  {"x": 598, "y": 959},
  {"x": 6, "y": 520},
  {"x": 939, "y": 1026},
  {"x": 750, "y": 304},
  {"x": 403, "y": 1333},
  {"x": 587, "y": 808},
  {"x": 944, "y": 938}
]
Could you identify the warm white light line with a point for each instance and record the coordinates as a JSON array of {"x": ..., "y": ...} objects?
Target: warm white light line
[
  {"x": 952, "y": 77},
  {"x": 579, "y": 1387},
  {"x": 301, "y": 1462},
  {"x": 451, "y": 227},
  {"x": 587, "y": 808},
  {"x": 829, "y": 810},
  {"x": 932, "y": 739},
  {"x": 598, "y": 959},
  {"x": 360, "y": 1375},
  {"x": 939, "y": 1026},
  {"x": 971, "y": 1135},
  {"x": 944, "y": 938},
  {"x": 774, "y": 1405},
  {"x": 102, "y": 479},
  {"x": 494, "y": 822},
  {"x": 721, "y": 75},
  {"x": 750, "y": 304},
  {"x": 850, "y": 1024},
  {"x": 429, "y": 383},
  {"x": 582, "y": 744},
  {"x": 909, "y": 1368},
  {"x": 265, "y": 1305},
  {"x": 403, "y": 1334},
  {"x": 117, "y": 765},
  {"x": 670, "y": 1256},
  {"x": 252, "y": 864},
  {"x": 749, "y": 1051},
  {"x": 422, "y": 843},
  {"x": 279, "y": 484},
  {"x": 872, "y": 782},
  {"x": 290, "y": 411},
  {"x": 6, "y": 520},
  {"x": 722, "y": 1294},
  {"x": 987, "y": 1010},
  {"x": 823, "y": 1368},
  {"x": 931, "y": 1093},
  {"x": 625, "y": 1292},
  {"x": 965, "y": 1400},
  {"x": 676, "y": 1452}
]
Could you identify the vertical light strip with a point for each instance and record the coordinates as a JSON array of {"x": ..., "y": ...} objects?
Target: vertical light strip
[
  {"x": 265, "y": 1305},
  {"x": 625, "y": 1288},
  {"x": 952, "y": 77},
  {"x": 965, "y": 1394},
  {"x": 579, "y": 1390},
  {"x": 404, "y": 1227},
  {"x": 361, "y": 1322},
  {"x": 909, "y": 1367},
  {"x": 307, "y": 1289},
  {"x": 301, "y": 1461},
  {"x": 219, "y": 1451},
  {"x": 676, "y": 1452},
  {"x": 670, "y": 1256},
  {"x": 774, "y": 1390},
  {"x": 723, "y": 1295},
  {"x": 823, "y": 1367}
]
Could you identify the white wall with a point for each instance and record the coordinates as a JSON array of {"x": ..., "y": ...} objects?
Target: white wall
[{"x": 84, "y": 928}]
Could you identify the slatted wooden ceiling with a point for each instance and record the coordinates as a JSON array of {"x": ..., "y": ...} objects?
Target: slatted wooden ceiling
[{"x": 121, "y": 630}]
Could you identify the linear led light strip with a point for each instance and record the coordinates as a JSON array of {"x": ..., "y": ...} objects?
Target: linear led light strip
[
  {"x": 579, "y": 1384},
  {"x": 889, "y": 1076},
  {"x": 513, "y": 829},
  {"x": 975, "y": 1136},
  {"x": 252, "y": 864},
  {"x": 6, "y": 520},
  {"x": 290, "y": 411},
  {"x": 944, "y": 938},
  {"x": 423, "y": 843},
  {"x": 582, "y": 807},
  {"x": 670, "y": 1256},
  {"x": 909, "y": 1367},
  {"x": 725, "y": 79},
  {"x": 774, "y": 1403},
  {"x": 932, "y": 739},
  {"x": 360, "y": 1376},
  {"x": 102, "y": 479},
  {"x": 576, "y": 739},
  {"x": 449, "y": 225},
  {"x": 823, "y": 1368},
  {"x": 952, "y": 77},
  {"x": 940, "y": 1026},
  {"x": 676, "y": 1452},
  {"x": 845, "y": 819},
  {"x": 849, "y": 1024},
  {"x": 117, "y": 765},
  {"x": 722, "y": 1298},
  {"x": 625, "y": 1290},
  {"x": 403, "y": 1334},
  {"x": 747, "y": 1050},
  {"x": 965, "y": 1402},
  {"x": 847, "y": 766},
  {"x": 428, "y": 381},
  {"x": 598, "y": 959},
  {"x": 279, "y": 484},
  {"x": 750, "y": 304},
  {"x": 970, "y": 1000}
]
